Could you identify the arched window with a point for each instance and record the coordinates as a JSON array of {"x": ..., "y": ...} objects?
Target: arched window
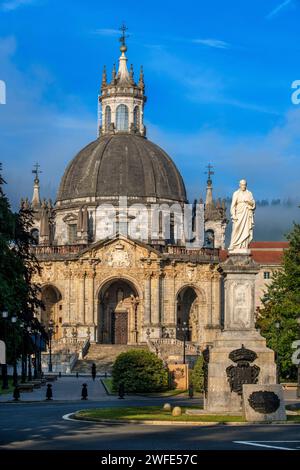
[
  {"x": 136, "y": 117},
  {"x": 209, "y": 239},
  {"x": 107, "y": 117},
  {"x": 122, "y": 118},
  {"x": 35, "y": 236}
]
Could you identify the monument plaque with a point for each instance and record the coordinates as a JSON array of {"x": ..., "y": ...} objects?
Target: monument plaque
[{"x": 263, "y": 403}]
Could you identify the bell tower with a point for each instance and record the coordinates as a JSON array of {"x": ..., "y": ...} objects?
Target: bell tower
[{"x": 121, "y": 101}]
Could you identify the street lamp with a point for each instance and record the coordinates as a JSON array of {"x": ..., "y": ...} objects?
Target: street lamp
[
  {"x": 15, "y": 373},
  {"x": 50, "y": 333},
  {"x": 298, "y": 384},
  {"x": 277, "y": 326},
  {"x": 4, "y": 366},
  {"x": 24, "y": 358},
  {"x": 29, "y": 357},
  {"x": 184, "y": 329}
]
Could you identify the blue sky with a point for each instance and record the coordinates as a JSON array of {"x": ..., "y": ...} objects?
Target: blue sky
[{"x": 218, "y": 79}]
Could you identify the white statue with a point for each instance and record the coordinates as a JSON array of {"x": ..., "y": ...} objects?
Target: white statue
[{"x": 242, "y": 214}]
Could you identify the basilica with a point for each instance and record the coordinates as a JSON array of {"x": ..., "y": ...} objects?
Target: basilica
[{"x": 100, "y": 283}]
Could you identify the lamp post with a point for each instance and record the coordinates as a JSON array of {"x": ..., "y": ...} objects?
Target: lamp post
[
  {"x": 298, "y": 384},
  {"x": 15, "y": 372},
  {"x": 184, "y": 329},
  {"x": 277, "y": 326},
  {"x": 29, "y": 357},
  {"x": 24, "y": 358},
  {"x": 50, "y": 333},
  {"x": 4, "y": 366},
  {"x": 35, "y": 363}
]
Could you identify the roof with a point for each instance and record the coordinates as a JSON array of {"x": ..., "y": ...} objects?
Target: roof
[
  {"x": 265, "y": 253},
  {"x": 122, "y": 165}
]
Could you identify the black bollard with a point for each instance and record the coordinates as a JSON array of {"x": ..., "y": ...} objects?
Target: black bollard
[
  {"x": 94, "y": 371},
  {"x": 59, "y": 374},
  {"x": 105, "y": 374},
  {"x": 49, "y": 393},
  {"x": 121, "y": 391},
  {"x": 16, "y": 394},
  {"x": 84, "y": 392},
  {"x": 191, "y": 391},
  {"x": 77, "y": 375}
]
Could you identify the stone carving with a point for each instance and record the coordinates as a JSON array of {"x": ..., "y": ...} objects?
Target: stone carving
[
  {"x": 241, "y": 302},
  {"x": 264, "y": 402},
  {"x": 118, "y": 257},
  {"x": 242, "y": 214},
  {"x": 243, "y": 372}
]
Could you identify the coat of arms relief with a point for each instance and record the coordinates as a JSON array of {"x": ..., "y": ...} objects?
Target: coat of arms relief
[{"x": 118, "y": 257}]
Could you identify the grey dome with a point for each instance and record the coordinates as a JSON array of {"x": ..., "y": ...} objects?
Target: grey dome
[{"x": 122, "y": 165}]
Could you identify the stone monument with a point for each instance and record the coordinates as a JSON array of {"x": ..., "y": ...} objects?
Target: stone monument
[{"x": 239, "y": 354}]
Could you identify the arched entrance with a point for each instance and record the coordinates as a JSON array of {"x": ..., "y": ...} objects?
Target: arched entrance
[
  {"x": 187, "y": 314},
  {"x": 51, "y": 298},
  {"x": 118, "y": 313}
]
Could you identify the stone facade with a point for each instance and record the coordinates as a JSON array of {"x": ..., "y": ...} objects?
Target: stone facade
[{"x": 82, "y": 291}]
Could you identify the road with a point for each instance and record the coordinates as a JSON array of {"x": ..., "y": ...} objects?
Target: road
[{"x": 40, "y": 426}]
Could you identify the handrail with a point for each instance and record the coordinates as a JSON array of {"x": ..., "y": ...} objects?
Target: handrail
[{"x": 178, "y": 342}]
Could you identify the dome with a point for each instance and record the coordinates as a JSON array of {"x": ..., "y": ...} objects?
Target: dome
[{"x": 121, "y": 165}]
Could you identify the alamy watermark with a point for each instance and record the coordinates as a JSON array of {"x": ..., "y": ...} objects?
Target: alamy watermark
[
  {"x": 296, "y": 353},
  {"x": 2, "y": 92},
  {"x": 295, "y": 98},
  {"x": 179, "y": 223}
]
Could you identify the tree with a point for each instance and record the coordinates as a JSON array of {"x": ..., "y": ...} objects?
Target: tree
[
  {"x": 18, "y": 294},
  {"x": 140, "y": 371},
  {"x": 281, "y": 304}
]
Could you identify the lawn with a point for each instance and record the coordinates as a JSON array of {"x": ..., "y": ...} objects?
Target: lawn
[
  {"x": 10, "y": 387},
  {"x": 168, "y": 393},
  {"x": 151, "y": 413}
]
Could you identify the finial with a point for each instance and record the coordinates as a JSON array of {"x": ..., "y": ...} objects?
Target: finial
[
  {"x": 141, "y": 79},
  {"x": 131, "y": 71},
  {"x": 209, "y": 172},
  {"x": 123, "y": 37},
  {"x": 114, "y": 72},
  {"x": 104, "y": 76},
  {"x": 36, "y": 170}
]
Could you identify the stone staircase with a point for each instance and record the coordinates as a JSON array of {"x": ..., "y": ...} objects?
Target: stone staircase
[
  {"x": 171, "y": 350},
  {"x": 103, "y": 355}
]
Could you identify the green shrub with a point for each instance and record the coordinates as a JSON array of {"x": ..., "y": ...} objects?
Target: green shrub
[
  {"x": 197, "y": 375},
  {"x": 140, "y": 371}
]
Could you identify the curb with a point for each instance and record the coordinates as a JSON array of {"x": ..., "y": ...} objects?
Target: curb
[
  {"x": 106, "y": 389},
  {"x": 73, "y": 417},
  {"x": 179, "y": 395}
]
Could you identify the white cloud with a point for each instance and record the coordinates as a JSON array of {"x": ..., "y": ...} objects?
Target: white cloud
[
  {"x": 34, "y": 129},
  {"x": 216, "y": 43},
  {"x": 278, "y": 8},
  {"x": 107, "y": 32},
  {"x": 201, "y": 84},
  {"x": 269, "y": 161},
  {"x": 10, "y": 5}
]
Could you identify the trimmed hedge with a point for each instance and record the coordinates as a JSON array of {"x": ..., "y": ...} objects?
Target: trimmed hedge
[
  {"x": 140, "y": 371},
  {"x": 197, "y": 375}
]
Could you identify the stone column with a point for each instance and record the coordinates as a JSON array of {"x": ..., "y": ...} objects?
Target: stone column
[
  {"x": 147, "y": 300},
  {"x": 156, "y": 307},
  {"x": 82, "y": 299}
]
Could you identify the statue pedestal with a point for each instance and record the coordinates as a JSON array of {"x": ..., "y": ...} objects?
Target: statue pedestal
[{"x": 239, "y": 353}]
